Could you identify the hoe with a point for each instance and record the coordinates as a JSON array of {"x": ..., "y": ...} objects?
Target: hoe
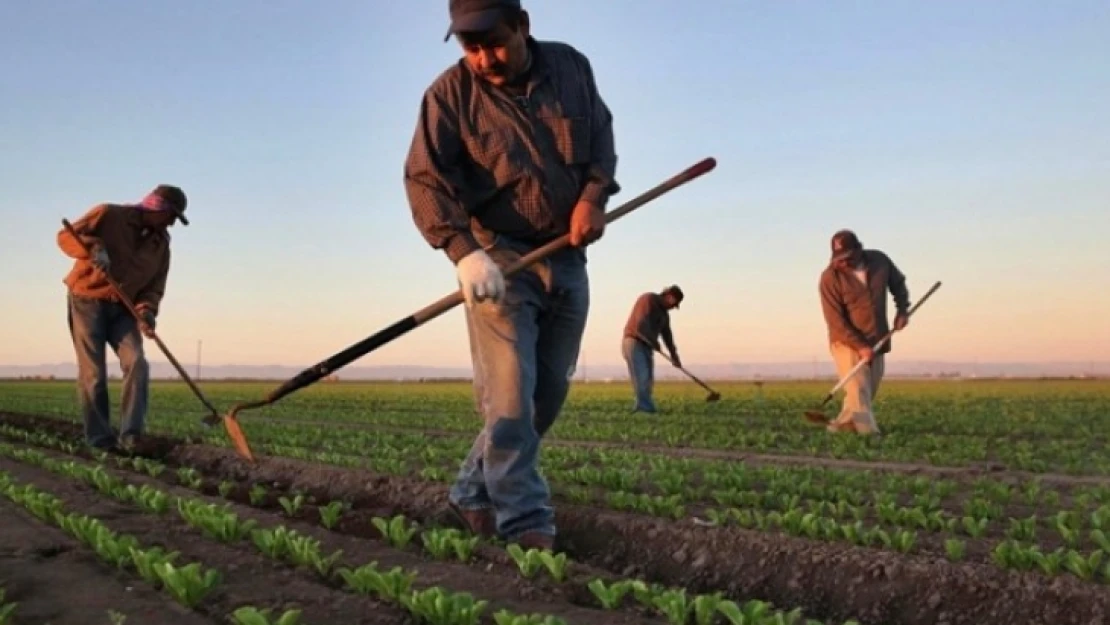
[{"x": 350, "y": 354}]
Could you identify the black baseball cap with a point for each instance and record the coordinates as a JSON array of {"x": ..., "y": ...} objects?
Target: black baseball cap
[{"x": 476, "y": 15}]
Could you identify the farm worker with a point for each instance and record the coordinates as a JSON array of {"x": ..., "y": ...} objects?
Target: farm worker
[
  {"x": 650, "y": 319},
  {"x": 513, "y": 148},
  {"x": 129, "y": 242},
  {"x": 853, "y": 291}
]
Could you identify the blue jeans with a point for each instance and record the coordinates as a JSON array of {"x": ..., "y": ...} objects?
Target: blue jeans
[
  {"x": 641, "y": 369},
  {"x": 95, "y": 324},
  {"x": 524, "y": 350}
]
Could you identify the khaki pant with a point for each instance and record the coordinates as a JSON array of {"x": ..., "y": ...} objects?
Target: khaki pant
[{"x": 858, "y": 391}]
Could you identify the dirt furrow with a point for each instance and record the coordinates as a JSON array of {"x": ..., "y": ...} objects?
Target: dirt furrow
[
  {"x": 248, "y": 578},
  {"x": 56, "y": 580},
  {"x": 497, "y": 582},
  {"x": 827, "y": 580}
]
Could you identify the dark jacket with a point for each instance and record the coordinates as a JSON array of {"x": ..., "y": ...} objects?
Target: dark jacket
[
  {"x": 649, "y": 320},
  {"x": 856, "y": 313}
]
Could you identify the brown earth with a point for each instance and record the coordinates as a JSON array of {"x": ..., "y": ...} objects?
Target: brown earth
[
  {"x": 252, "y": 578},
  {"x": 829, "y": 581},
  {"x": 56, "y": 581}
]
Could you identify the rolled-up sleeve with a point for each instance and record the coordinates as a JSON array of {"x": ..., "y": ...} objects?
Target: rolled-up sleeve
[{"x": 433, "y": 179}]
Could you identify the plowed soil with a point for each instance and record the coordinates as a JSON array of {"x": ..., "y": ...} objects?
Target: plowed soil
[{"x": 830, "y": 581}]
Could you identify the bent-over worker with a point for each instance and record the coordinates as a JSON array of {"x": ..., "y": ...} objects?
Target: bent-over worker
[
  {"x": 853, "y": 290},
  {"x": 650, "y": 319},
  {"x": 131, "y": 243}
]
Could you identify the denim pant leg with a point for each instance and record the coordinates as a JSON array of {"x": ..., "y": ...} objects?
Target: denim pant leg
[
  {"x": 505, "y": 336},
  {"x": 89, "y": 321},
  {"x": 127, "y": 342},
  {"x": 562, "y": 325},
  {"x": 641, "y": 370},
  {"x": 469, "y": 490}
]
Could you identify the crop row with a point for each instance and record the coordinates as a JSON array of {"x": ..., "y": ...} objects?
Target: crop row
[
  {"x": 187, "y": 584},
  {"x": 1023, "y": 431},
  {"x": 600, "y": 475},
  {"x": 841, "y": 520},
  {"x": 279, "y": 542}
]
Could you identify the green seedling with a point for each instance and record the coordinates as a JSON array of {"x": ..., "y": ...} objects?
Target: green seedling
[
  {"x": 368, "y": 579},
  {"x": 674, "y": 604},
  {"x": 329, "y": 514},
  {"x": 291, "y": 506},
  {"x": 250, "y": 615},
  {"x": 6, "y": 608},
  {"x": 610, "y": 596},
  {"x": 273, "y": 542},
  {"x": 955, "y": 548},
  {"x": 305, "y": 551},
  {"x": 505, "y": 617},
  {"x": 257, "y": 494},
  {"x": 440, "y": 542},
  {"x": 529, "y": 562},
  {"x": 440, "y": 607},
  {"x": 225, "y": 488},
  {"x": 190, "y": 477},
  {"x": 189, "y": 584},
  {"x": 394, "y": 530},
  {"x": 145, "y": 561},
  {"x": 1082, "y": 567}
]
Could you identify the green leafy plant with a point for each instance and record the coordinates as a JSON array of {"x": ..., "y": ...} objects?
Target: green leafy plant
[
  {"x": 188, "y": 585},
  {"x": 7, "y": 608},
  {"x": 250, "y": 615},
  {"x": 440, "y": 607},
  {"x": 394, "y": 530}
]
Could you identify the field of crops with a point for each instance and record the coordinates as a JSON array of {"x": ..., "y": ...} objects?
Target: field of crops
[{"x": 984, "y": 502}]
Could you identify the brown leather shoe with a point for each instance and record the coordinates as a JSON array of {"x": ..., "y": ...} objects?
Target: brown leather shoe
[
  {"x": 535, "y": 540},
  {"x": 480, "y": 521}
]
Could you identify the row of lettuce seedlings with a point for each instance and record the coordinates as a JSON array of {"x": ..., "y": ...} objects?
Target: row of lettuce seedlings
[
  {"x": 696, "y": 479},
  {"x": 822, "y": 520},
  {"x": 1072, "y": 456},
  {"x": 433, "y": 605},
  {"x": 1018, "y": 551},
  {"x": 188, "y": 584},
  {"x": 980, "y": 445},
  {"x": 674, "y": 475}
]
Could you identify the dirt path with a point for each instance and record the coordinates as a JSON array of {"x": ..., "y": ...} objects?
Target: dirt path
[{"x": 57, "y": 581}]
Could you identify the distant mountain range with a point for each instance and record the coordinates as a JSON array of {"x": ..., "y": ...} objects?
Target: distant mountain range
[{"x": 728, "y": 371}]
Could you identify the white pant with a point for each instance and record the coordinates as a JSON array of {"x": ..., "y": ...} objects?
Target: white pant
[{"x": 858, "y": 391}]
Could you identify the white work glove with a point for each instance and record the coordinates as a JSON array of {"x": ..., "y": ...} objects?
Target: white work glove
[
  {"x": 480, "y": 278},
  {"x": 100, "y": 258}
]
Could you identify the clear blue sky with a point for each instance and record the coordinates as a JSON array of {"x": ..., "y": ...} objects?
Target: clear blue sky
[{"x": 971, "y": 141}]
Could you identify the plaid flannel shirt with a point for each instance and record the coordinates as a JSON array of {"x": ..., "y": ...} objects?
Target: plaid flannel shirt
[{"x": 516, "y": 166}]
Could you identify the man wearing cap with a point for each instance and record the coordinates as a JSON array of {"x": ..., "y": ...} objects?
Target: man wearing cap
[
  {"x": 853, "y": 290},
  {"x": 130, "y": 243},
  {"x": 513, "y": 148},
  {"x": 650, "y": 319}
]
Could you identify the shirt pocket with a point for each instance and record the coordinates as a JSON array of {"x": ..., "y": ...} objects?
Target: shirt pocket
[
  {"x": 572, "y": 138},
  {"x": 493, "y": 155}
]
